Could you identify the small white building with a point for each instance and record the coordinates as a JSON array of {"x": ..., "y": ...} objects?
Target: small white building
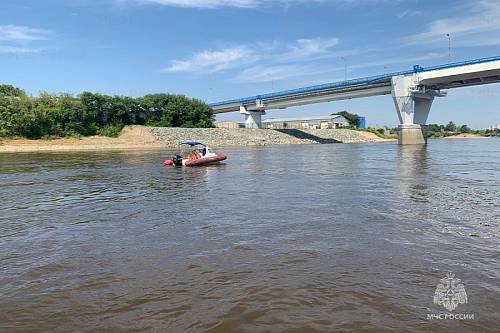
[
  {"x": 229, "y": 124},
  {"x": 494, "y": 127},
  {"x": 330, "y": 121}
]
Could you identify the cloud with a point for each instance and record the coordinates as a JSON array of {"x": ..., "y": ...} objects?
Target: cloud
[
  {"x": 262, "y": 73},
  {"x": 210, "y": 4},
  {"x": 6, "y": 49},
  {"x": 203, "y": 3},
  {"x": 397, "y": 61},
  {"x": 306, "y": 49},
  {"x": 278, "y": 73},
  {"x": 17, "y": 33},
  {"x": 277, "y": 61},
  {"x": 480, "y": 27},
  {"x": 213, "y": 61},
  {"x": 17, "y": 39},
  {"x": 409, "y": 13}
]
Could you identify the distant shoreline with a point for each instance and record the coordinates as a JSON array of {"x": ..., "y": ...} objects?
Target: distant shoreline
[
  {"x": 148, "y": 138},
  {"x": 465, "y": 136},
  {"x": 134, "y": 138}
]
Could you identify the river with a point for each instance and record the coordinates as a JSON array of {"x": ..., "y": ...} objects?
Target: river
[{"x": 308, "y": 238}]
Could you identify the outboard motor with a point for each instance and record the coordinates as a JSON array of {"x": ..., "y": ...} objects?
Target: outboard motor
[{"x": 177, "y": 160}]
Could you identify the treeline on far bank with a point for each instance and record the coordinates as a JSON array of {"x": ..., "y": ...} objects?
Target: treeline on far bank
[
  {"x": 436, "y": 131},
  {"x": 63, "y": 115},
  {"x": 451, "y": 129}
]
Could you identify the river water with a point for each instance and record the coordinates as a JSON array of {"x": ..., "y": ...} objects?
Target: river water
[{"x": 320, "y": 238}]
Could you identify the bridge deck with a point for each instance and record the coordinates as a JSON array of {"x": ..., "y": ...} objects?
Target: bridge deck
[{"x": 342, "y": 87}]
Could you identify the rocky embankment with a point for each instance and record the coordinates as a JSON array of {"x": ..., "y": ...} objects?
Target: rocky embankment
[{"x": 223, "y": 137}]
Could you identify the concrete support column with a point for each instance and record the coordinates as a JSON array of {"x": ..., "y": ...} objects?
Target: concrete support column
[
  {"x": 413, "y": 108},
  {"x": 422, "y": 106},
  {"x": 412, "y": 135},
  {"x": 253, "y": 119}
]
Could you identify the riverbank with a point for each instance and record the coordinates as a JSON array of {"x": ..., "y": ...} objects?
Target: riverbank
[
  {"x": 142, "y": 137},
  {"x": 465, "y": 136},
  {"x": 131, "y": 138}
]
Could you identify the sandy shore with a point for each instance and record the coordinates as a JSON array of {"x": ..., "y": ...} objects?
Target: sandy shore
[
  {"x": 131, "y": 138},
  {"x": 142, "y": 138},
  {"x": 373, "y": 137},
  {"x": 465, "y": 136}
]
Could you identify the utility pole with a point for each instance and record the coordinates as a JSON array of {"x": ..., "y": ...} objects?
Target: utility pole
[
  {"x": 272, "y": 82},
  {"x": 449, "y": 47},
  {"x": 345, "y": 79},
  {"x": 211, "y": 93},
  {"x": 345, "y": 67}
]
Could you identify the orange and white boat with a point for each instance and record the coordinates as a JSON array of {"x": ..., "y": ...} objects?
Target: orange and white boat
[{"x": 200, "y": 155}]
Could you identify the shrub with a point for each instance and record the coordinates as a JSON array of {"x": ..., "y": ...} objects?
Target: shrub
[{"x": 113, "y": 131}]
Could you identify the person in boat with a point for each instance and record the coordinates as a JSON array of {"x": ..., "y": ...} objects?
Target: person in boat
[{"x": 194, "y": 155}]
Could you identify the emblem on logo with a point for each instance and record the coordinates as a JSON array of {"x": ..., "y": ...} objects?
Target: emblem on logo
[{"x": 450, "y": 293}]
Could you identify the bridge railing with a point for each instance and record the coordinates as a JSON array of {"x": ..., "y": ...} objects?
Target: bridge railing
[{"x": 351, "y": 83}]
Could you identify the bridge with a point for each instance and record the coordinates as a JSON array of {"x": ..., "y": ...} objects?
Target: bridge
[{"x": 413, "y": 92}]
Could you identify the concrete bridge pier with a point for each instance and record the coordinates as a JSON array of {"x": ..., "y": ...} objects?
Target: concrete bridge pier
[
  {"x": 253, "y": 119},
  {"x": 413, "y": 104}
]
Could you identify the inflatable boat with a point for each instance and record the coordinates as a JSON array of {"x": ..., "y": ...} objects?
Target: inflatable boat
[{"x": 199, "y": 155}]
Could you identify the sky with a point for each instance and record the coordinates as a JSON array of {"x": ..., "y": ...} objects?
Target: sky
[{"x": 223, "y": 49}]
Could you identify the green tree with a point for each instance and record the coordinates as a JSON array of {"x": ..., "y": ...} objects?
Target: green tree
[
  {"x": 435, "y": 128},
  {"x": 451, "y": 127},
  {"x": 8, "y": 90},
  {"x": 152, "y": 107},
  {"x": 50, "y": 115},
  {"x": 10, "y": 113},
  {"x": 351, "y": 117},
  {"x": 464, "y": 129},
  {"x": 177, "y": 111}
]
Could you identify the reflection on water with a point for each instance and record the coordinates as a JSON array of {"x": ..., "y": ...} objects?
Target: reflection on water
[
  {"x": 350, "y": 238},
  {"x": 413, "y": 171}
]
